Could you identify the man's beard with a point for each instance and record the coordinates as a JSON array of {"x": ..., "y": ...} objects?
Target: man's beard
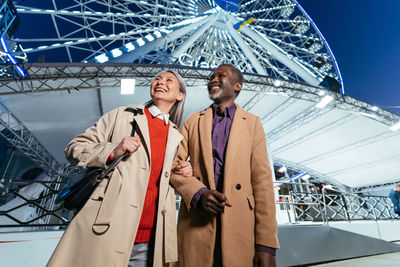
[{"x": 216, "y": 95}]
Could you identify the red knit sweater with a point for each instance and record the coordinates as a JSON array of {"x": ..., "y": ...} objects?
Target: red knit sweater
[{"x": 158, "y": 140}]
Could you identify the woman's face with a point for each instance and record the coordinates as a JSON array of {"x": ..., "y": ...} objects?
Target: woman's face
[{"x": 165, "y": 88}]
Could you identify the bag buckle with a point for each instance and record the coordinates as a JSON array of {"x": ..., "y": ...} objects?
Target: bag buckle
[{"x": 96, "y": 180}]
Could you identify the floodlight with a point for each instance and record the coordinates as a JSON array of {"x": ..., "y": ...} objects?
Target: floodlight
[
  {"x": 277, "y": 83},
  {"x": 395, "y": 127},
  {"x": 369, "y": 115},
  {"x": 127, "y": 86},
  {"x": 325, "y": 101}
]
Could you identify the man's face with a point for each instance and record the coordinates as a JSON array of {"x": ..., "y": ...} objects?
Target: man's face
[{"x": 222, "y": 85}]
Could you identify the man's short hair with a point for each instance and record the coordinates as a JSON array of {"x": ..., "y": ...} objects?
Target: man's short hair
[{"x": 236, "y": 72}]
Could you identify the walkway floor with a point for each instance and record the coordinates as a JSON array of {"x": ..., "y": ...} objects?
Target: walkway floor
[{"x": 382, "y": 260}]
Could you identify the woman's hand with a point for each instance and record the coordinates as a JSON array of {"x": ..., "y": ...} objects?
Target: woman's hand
[
  {"x": 184, "y": 168},
  {"x": 128, "y": 145}
]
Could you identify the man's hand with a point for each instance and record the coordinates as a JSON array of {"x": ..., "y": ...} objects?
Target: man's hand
[
  {"x": 128, "y": 145},
  {"x": 183, "y": 168},
  {"x": 214, "y": 201},
  {"x": 264, "y": 259}
]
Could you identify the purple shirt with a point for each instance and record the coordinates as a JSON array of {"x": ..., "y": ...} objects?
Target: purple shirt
[{"x": 221, "y": 127}]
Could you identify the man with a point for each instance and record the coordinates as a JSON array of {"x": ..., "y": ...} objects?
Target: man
[
  {"x": 395, "y": 197},
  {"x": 227, "y": 215}
]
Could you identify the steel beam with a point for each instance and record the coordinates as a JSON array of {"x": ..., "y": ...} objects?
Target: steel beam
[
  {"x": 48, "y": 77},
  {"x": 16, "y": 133}
]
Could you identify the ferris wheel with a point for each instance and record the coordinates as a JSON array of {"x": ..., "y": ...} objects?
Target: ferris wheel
[{"x": 272, "y": 37}]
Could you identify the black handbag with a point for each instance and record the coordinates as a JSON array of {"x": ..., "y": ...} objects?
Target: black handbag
[{"x": 84, "y": 182}]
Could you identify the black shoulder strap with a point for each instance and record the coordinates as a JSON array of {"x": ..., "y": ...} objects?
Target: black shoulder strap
[
  {"x": 135, "y": 111},
  {"x": 115, "y": 162}
]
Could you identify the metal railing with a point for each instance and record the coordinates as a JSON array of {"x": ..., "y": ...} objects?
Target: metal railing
[
  {"x": 29, "y": 205},
  {"x": 311, "y": 204}
]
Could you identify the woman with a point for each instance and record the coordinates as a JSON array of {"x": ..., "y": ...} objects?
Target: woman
[{"x": 131, "y": 217}]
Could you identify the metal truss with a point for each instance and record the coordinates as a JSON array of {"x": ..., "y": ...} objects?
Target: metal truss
[
  {"x": 80, "y": 76},
  {"x": 8, "y": 15},
  {"x": 15, "y": 132},
  {"x": 376, "y": 187},
  {"x": 301, "y": 168}
]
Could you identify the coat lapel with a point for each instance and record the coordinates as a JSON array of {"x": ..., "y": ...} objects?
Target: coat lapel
[
  {"x": 205, "y": 125},
  {"x": 236, "y": 134},
  {"x": 174, "y": 138}
]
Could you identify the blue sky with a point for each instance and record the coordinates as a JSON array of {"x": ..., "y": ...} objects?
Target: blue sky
[{"x": 365, "y": 39}]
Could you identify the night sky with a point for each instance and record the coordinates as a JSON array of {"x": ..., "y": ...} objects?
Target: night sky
[{"x": 365, "y": 39}]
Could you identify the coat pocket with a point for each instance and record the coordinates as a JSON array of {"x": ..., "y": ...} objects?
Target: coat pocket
[{"x": 252, "y": 204}]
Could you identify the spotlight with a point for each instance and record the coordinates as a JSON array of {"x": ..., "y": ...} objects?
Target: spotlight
[
  {"x": 127, "y": 86},
  {"x": 277, "y": 83},
  {"x": 325, "y": 101},
  {"x": 395, "y": 127}
]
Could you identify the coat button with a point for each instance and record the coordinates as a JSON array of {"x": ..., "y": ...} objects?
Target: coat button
[
  {"x": 166, "y": 174},
  {"x": 163, "y": 212},
  {"x": 238, "y": 186}
]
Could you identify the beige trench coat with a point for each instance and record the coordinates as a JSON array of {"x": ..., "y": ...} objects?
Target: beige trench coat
[
  {"x": 103, "y": 232},
  {"x": 247, "y": 185}
]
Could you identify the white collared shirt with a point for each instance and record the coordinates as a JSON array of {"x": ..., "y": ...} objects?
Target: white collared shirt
[{"x": 157, "y": 113}]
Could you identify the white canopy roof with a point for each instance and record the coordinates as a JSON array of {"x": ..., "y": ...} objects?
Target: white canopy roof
[{"x": 336, "y": 143}]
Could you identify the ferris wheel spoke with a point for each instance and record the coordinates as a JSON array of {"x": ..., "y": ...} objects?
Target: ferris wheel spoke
[
  {"x": 159, "y": 42},
  {"x": 278, "y": 53},
  {"x": 264, "y": 10},
  {"x": 248, "y": 53},
  {"x": 209, "y": 20}
]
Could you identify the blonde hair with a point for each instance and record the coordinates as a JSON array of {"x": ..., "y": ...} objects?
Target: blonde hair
[{"x": 176, "y": 112}]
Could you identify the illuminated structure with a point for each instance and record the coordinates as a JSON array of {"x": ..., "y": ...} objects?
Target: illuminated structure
[{"x": 281, "y": 41}]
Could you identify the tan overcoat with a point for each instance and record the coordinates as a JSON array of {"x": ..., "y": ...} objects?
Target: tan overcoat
[
  {"x": 103, "y": 232},
  {"x": 247, "y": 185}
]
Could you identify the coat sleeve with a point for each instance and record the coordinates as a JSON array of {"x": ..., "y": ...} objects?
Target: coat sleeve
[
  {"x": 261, "y": 179},
  {"x": 186, "y": 187},
  {"x": 92, "y": 148}
]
